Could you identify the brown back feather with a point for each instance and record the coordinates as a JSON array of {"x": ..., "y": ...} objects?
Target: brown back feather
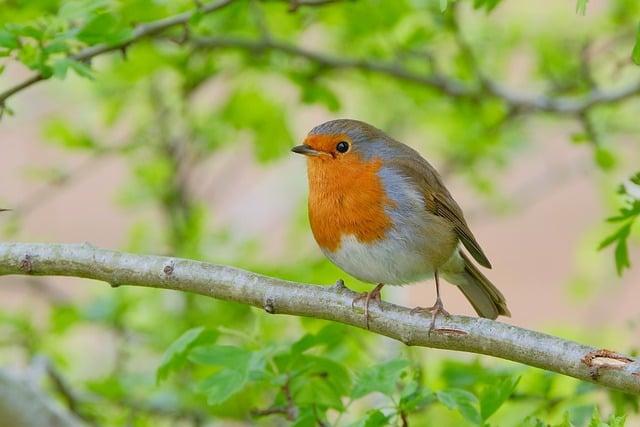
[{"x": 437, "y": 198}]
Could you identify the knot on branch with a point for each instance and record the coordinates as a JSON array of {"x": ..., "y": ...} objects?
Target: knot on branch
[
  {"x": 604, "y": 359},
  {"x": 26, "y": 264},
  {"x": 339, "y": 286},
  {"x": 269, "y": 305},
  {"x": 168, "y": 268}
]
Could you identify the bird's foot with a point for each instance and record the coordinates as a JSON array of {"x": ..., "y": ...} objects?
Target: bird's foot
[
  {"x": 435, "y": 309},
  {"x": 374, "y": 295}
]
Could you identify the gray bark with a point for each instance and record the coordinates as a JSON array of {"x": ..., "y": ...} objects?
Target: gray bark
[
  {"x": 460, "y": 333},
  {"x": 23, "y": 404}
]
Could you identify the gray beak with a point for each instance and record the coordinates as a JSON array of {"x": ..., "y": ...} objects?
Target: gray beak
[{"x": 308, "y": 151}]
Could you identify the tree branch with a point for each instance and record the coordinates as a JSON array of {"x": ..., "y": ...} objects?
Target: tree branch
[
  {"x": 516, "y": 101},
  {"x": 140, "y": 32},
  {"x": 460, "y": 333},
  {"x": 22, "y": 404}
]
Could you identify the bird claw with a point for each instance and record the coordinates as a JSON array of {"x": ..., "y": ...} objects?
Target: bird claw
[
  {"x": 374, "y": 295},
  {"x": 434, "y": 310}
]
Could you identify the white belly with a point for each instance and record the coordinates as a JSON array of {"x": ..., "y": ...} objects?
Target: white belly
[
  {"x": 416, "y": 244},
  {"x": 391, "y": 261}
]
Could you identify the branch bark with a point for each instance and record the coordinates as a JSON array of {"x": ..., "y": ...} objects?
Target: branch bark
[
  {"x": 517, "y": 101},
  {"x": 481, "y": 336},
  {"x": 140, "y": 32},
  {"x": 22, "y": 404}
]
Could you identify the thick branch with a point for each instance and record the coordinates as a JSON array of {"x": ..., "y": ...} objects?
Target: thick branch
[
  {"x": 461, "y": 333},
  {"x": 140, "y": 32}
]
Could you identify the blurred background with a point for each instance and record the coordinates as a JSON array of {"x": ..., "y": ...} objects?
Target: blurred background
[{"x": 179, "y": 145}]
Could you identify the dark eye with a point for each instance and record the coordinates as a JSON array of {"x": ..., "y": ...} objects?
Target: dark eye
[{"x": 342, "y": 147}]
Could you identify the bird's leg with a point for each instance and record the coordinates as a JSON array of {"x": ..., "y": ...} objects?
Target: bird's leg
[
  {"x": 435, "y": 309},
  {"x": 374, "y": 295}
]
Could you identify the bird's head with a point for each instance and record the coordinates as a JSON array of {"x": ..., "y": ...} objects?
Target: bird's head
[{"x": 344, "y": 141}]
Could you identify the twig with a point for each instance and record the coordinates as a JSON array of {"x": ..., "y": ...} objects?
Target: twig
[
  {"x": 516, "y": 101},
  {"x": 294, "y": 5},
  {"x": 24, "y": 404},
  {"x": 67, "y": 393},
  {"x": 480, "y": 336},
  {"x": 140, "y": 32}
]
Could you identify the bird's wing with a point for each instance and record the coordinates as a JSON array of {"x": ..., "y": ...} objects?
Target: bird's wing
[{"x": 438, "y": 200}]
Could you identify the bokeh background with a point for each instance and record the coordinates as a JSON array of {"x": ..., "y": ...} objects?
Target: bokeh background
[{"x": 184, "y": 150}]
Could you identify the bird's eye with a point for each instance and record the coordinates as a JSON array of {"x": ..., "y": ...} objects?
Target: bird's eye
[{"x": 342, "y": 147}]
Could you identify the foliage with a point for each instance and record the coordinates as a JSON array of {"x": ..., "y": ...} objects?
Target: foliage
[
  {"x": 627, "y": 216},
  {"x": 183, "y": 359}
]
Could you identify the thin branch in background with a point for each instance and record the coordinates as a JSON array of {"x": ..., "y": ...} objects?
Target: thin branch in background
[
  {"x": 74, "y": 400},
  {"x": 461, "y": 333},
  {"x": 290, "y": 410},
  {"x": 521, "y": 102},
  {"x": 22, "y": 403},
  {"x": 294, "y": 5},
  {"x": 71, "y": 400},
  {"x": 591, "y": 132},
  {"x": 140, "y": 32},
  {"x": 52, "y": 189}
]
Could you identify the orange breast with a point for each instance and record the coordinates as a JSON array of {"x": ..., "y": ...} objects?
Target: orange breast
[{"x": 346, "y": 196}]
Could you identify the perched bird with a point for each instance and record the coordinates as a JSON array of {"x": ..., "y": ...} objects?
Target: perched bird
[{"x": 380, "y": 212}]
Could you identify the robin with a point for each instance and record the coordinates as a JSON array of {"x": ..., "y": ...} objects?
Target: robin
[{"x": 380, "y": 212}]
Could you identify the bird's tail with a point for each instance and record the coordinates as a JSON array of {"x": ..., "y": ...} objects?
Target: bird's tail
[{"x": 485, "y": 298}]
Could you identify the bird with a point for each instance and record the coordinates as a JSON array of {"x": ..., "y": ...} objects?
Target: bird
[{"x": 381, "y": 213}]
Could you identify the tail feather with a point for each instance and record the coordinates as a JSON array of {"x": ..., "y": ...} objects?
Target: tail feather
[{"x": 485, "y": 298}]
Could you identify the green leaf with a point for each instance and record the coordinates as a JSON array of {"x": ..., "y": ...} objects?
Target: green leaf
[
  {"x": 531, "y": 421},
  {"x": 621, "y": 252},
  {"x": 61, "y": 133},
  {"x": 373, "y": 418},
  {"x": 8, "y": 40},
  {"x": 566, "y": 421},
  {"x": 581, "y": 7},
  {"x": 604, "y": 158},
  {"x": 319, "y": 381},
  {"x": 635, "y": 53},
  {"x": 316, "y": 93},
  {"x": 329, "y": 335},
  {"x": 622, "y": 256},
  {"x": 71, "y": 10},
  {"x": 238, "y": 367},
  {"x": 222, "y": 355},
  {"x": 495, "y": 395},
  {"x": 462, "y": 401},
  {"x": 443, "y": 5},
  {"x": 175, "y": 356},
  {"x": 251, "y": 109},
  {"x": 381, "y": 378},
  {"x": 60, "y": 68},
  {"x": 414, "y": 397},
  {"x": 617, "y": 421},
  {"x": 222, "y": 385},
  {"x": 489, "y": 5},
  {"x": 104, "y": 28}
]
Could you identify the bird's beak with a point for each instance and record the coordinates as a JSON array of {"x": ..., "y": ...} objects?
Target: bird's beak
[{"x": 308, "y": 151}]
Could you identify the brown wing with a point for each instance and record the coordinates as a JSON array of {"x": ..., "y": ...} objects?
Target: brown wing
[{"x": 439, "y": 201}]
